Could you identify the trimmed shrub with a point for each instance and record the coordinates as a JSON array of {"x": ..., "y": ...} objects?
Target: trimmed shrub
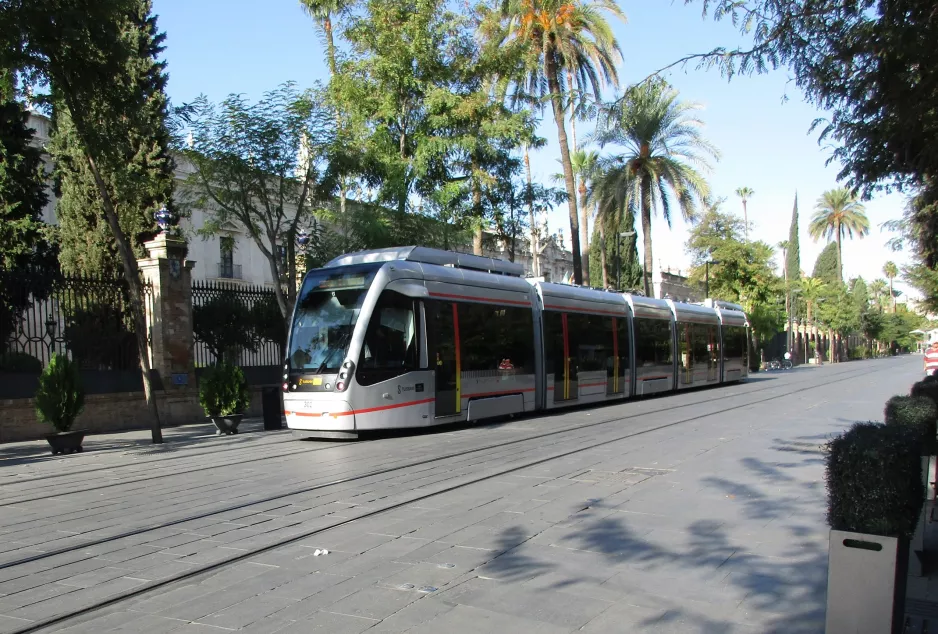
[
  {"x": 19, "y": 362},
  {"x": 223, "y": 391},
  {"x": 917, "y": 413},
  {"x": 927, "y": 388},
  {"x": 60, "y": 397},
  {"x": 874, "y": 481}
]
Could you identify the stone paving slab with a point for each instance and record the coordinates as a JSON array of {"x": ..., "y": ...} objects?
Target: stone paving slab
[{"x": 713, "y": 523}]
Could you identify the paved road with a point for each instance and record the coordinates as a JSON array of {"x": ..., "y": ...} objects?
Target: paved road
[{"x": 702, "y": 512}]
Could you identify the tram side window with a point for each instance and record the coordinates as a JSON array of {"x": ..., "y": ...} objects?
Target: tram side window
[
  {"x": 703, "y": 340},
  {"x": 590, "y": 341},
  {"x": 734, "y": 342},
  {"x": 390, "y": 346},
  {"x": 496, "y": 339},
  {"x": 653, "y": 345}
]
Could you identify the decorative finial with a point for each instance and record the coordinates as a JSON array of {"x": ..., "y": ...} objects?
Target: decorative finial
[{"x": 164, "y": 219}]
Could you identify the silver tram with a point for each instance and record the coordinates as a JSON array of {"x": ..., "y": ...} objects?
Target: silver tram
[{"x": 414, "y": 337}]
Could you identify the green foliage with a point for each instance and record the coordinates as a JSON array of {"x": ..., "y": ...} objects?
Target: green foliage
[
  {"x": 223, "y": 390},
  {"x": 897, "y": 328},
  {"x": 858, "y": 352},
  {"x": 874, "y": 481},
  {"x": 27, "y": 255},
  {"x": 793, "y": 255},
  {"x": 99, "y": 337},
  {"x": 917, "y": 413},
  {"x": 663, "y": 148},
  {"x": 927, "y": 388},
  {"x": 825, "y": 267},
  {"x": 267, "y": 323},
  {"x": 60, "y": 397},
  {"x": 225, "y": 325},
  {"x": 259, "y": 166},
  {"x": 839, "y": 311},
  {"x": 19, "y": 362}
]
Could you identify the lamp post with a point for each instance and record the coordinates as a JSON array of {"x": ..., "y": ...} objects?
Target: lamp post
[
  {"x": 51, "y": 325},
  {"x": 707, "y": 277},
  {"x": 624, "y": 234}
]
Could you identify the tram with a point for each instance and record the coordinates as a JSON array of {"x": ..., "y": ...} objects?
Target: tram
[{"x": 415, "y": 337}]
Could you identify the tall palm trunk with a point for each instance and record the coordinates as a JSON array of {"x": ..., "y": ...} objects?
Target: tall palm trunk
[
  {"x": 535, "y": 247},
  {"x": 333, "y": 71},
  {"x": 746, "y": 219},
  {"x": 892, "y": 295},
  {"x": 553, "y": 84},
  {"x": 476, "y": 209},
  {"x": 646, "y": 232},
  {"x": 602, "y": 254},
  {"x": 840, "y": 261},
  {"x": 581, "y": 186}
]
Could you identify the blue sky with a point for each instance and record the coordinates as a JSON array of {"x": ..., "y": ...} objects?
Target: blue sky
[{"x": 245, "y": 46}]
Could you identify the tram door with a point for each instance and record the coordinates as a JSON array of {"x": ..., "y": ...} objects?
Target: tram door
[
  {"x": 443, "y": 332},
  {"x": 561, "y": 355}
]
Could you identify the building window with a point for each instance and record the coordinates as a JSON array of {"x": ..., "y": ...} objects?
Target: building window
[{"x": 226, "y": 268}]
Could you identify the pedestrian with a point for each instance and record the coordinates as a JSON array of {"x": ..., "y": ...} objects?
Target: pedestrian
[{"x": 931, "y": 359}]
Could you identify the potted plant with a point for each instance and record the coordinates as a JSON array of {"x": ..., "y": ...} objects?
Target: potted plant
[
  {"x": 59, "y": 400},
  {"x": 918, "y": 414},
  {"x": 224, "y": 394},
  {"x": 875, "y": 496}
]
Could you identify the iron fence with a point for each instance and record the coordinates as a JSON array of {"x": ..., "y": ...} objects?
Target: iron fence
[
  {"x": 87, "y": 318},
  {"x": 240, "y": 322}
]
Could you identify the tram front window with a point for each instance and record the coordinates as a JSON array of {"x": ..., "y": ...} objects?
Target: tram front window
[{"x": 326, "y": 313}]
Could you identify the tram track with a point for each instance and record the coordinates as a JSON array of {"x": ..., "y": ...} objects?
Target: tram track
[
  {"x": 289, "y": 454},
  {"x": 241, "y": 557},
  {"x": 398, "y": 467}
]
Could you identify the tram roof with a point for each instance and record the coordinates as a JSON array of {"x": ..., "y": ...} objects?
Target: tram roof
[
  {"x": 692, "y": 312},
  {"x": 732, "y": 317},
  {"x": 426, "y": 255}
]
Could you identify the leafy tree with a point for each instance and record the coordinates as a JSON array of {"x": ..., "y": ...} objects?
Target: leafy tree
[
  {"x": 838, "y": 311},
  {"x": 224, "y": 325},
  {"x": 812, "y": 290},
  {"x": 873, "y": 66},
  {"x": 878, "y": 293},
  {"x": 100, "y": 59},
  {"x": 890, "y": 270},
  {"x": 745, "y": 272},
  {"x": 27, "y": 256},
  {"x": 662, "y": 143},
  {"x": 259, "y": 166},
  {"x": 838, "y": 212},
  {"x": 793, "y": 255},
  {"x": 553, "y": 36},
  {"x": 825, "y": 267},
  {"x": 745, "y": 193}
]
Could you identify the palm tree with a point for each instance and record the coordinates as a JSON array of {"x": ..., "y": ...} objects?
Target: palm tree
[
  {"x": 662, "y": 141},
  {"x": 745, "y": 193},
  {"x": 890, "y": 270},
  {"x": 585, "y": 169},
  {"x": 838, "y": 212},
  {"x": 812, "y": 288},
  {"x": 323, "y": 11},
  {"x": 559, "y": 35},
  {"x": 878, "y": 289}
]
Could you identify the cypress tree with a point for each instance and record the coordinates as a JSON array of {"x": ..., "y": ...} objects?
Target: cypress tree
[
  {"x": 825, "y": 267},
  {"x": 87, "y": 244},
  {"x": 27, "y": 258},
  {"x": 794, "y": 247}
]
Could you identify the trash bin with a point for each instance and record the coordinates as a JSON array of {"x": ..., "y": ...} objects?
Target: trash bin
[{"x": 270, "y": 404}]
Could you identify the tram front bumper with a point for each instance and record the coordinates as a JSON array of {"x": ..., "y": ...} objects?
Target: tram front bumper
[{"x": 316, "y": 415}]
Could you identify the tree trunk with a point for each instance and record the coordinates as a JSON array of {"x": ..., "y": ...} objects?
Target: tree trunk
[
  {"x": 330, "y": 43},
  {"x": 840, "y": 262},
  {"x": 476, "y": 209},
  {"x": 535, "y": 247},
  {"x": 580, "y": 184},
  {"x": 646, "y": 232},
  {"x": 553, "y": 85},
  {"x": 746, "y": 219},
  {"x": 892, "y": 296},
  {"x": 132, "y": 275},
  {"x": 602, "y": 254}
]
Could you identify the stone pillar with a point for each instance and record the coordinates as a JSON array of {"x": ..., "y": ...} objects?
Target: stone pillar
[{"x": 169, "y": 312}]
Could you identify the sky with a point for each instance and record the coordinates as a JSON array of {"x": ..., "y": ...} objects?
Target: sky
[{"x": 760, "y": 124}]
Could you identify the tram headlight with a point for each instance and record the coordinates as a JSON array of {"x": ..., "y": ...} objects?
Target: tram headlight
[
  {"x": 285, "y": 386},
  {"x": 340, "y": 386},
  {"x": 343, "y": 375}
]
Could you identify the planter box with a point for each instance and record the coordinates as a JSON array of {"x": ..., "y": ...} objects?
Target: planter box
[
  {"x": 66, "y": 441},
  {"x": 227, "y": 424},
  {"x": 866, "y": 583}
]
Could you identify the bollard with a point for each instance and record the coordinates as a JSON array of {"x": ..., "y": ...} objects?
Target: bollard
[{"x": 272, "y": 408}]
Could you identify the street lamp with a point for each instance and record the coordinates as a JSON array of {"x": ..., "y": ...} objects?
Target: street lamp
[
  {"x": 51, "y": 325},
  {"x": 707, "y": 277},
  {"x": 624, "y": 234}
]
